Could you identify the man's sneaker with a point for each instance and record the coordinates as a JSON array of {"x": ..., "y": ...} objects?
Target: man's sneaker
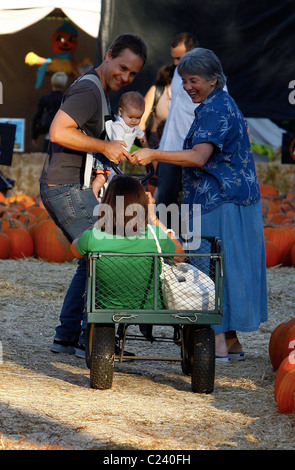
[
  {"x": 80, "y": 351},
  {"x": 61, "y": 346}
]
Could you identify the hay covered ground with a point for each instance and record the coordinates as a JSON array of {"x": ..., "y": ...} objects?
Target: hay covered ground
[{"x": 46, "y": 401}]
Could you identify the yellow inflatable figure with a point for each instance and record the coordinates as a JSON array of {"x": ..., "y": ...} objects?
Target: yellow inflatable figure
[{"x": 63, "y": 44}]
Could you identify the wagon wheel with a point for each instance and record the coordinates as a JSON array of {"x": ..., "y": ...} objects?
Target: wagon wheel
[
  {"x": 100, "y": 355},
  {"x": 203, "y": 367},
  {"x": 88, "y": 343}
]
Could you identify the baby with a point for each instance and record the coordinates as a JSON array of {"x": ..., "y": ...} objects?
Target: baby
[{"x": 125, "y": 127}]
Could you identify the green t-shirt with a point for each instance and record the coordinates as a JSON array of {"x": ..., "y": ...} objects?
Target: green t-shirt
[{"x": 124, "y": 282}]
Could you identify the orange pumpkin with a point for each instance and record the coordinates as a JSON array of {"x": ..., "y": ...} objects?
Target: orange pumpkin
[
  {"x": 8, "y": 222},
  {"x": 268, "y": 190},
  {"x": 273, "y": 343},
  {"x": 292, "y": 255},
  {"x": 284, "y": 238},
  {"x": 35, "y": 209},
  {"x": 280, "y": 218},
  {"x": 4, "y": 245},
  {"x": 50, "y": 243},
  {"x": 286, "y": 393},
  {"x": 287, "y": 364},
  {"x": 272, "y": 253},
  {"x": 279, "y": 342},
  {"x": 21, "y": 242},
  {"x": 22, "y": 200}
]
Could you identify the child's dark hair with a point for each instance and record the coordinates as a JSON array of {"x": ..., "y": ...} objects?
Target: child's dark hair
[
  {"x": 133, "y": 98},
  {"x": 134, "y": 196}
]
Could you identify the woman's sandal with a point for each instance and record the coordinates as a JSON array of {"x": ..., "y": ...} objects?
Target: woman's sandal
[{"x": 234, "y": 355}]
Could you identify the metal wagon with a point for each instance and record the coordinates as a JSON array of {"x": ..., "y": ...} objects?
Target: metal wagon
[{"x": 135, "y": 278}]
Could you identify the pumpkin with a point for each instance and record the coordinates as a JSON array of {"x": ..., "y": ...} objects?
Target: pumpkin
[
  {"x": 280, "y": 218},
  {"x": 284, "y": 238},
  {"x": 268, "y": 190},
  {"x": 22, "y": 200},
  {"x": 50, "y": 243},
  {"x": 273, "y": 343},
  {"x": 4, "y": 245},
  {"x": 9, "y": 222},
  {"x": 272, "y": 253},
  {"x": 280, "y": 341},
  {"x": 287, "y": 364},
  {"x": 21, "y": 242},
  {"x": 35, "y": 209},
  {"x": 32, "y": 226},
  {"x": 24, "y": 217},
  {"x": 286, "y": 393}
]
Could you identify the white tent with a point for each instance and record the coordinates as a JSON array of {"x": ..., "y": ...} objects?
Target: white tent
[
  {"x": 19, "y": 14},
  {"x": 25, "y": 27}
]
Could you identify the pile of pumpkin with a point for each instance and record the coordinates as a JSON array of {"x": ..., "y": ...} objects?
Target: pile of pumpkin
[
  {"x": 282, "y": 357},
  {"x": 279, "y": 226},
  {"x": 26, "y": 229}
]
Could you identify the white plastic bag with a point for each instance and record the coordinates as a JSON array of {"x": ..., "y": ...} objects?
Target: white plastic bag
[{"x": 185, "y": 287}]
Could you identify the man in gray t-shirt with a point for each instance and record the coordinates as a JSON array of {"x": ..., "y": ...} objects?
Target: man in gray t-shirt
[{"x": 75, "y": 131}]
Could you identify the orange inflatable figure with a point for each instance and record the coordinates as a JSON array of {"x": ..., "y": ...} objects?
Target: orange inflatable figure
[{"x": 63, "y": 43}]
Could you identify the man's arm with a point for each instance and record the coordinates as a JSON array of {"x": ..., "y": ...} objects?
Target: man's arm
[{"x": 64, "y": 131}]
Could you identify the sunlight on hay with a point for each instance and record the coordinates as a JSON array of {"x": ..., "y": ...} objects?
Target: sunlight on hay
[{"x": 25, "y": 171}]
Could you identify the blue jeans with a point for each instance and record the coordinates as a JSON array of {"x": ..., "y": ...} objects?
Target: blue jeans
[{"x": 71, "y": 208}]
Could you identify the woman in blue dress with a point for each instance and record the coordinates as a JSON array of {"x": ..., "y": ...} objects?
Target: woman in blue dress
[{"x": 219, "y": 174}]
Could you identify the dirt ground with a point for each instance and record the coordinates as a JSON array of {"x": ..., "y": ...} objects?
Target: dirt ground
[{"x": 46, "y": 401}]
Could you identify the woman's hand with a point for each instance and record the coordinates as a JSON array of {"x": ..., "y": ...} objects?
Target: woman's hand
[
  {"x": 74, "y": 249},
  {"x": 142, "y": 156}
]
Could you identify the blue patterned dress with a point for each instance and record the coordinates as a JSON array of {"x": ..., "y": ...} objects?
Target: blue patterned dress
[{"x": 227, "y": 189}]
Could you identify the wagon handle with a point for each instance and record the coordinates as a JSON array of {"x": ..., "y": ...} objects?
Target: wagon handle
[{"x": 148, "y": 174}]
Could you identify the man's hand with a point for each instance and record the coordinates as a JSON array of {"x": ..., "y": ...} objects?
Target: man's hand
[{"x": 115, "y": 151}]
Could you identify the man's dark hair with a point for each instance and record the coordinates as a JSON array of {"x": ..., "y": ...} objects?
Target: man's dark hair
[
  {"x": 190, "y": 41},
  {"x": 129, "y": 41}
]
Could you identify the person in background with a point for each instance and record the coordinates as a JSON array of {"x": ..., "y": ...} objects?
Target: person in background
[
  {"x": 48, "y": 106},
  {"x": 180, "y": 117},
  {"x": 76, "y": 130},
  {"x": 219, "y": 175},
  {"x": 157, "y": 105}
]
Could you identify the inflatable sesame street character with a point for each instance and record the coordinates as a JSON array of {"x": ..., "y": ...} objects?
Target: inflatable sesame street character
[{"x": 63, "y": 44}]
